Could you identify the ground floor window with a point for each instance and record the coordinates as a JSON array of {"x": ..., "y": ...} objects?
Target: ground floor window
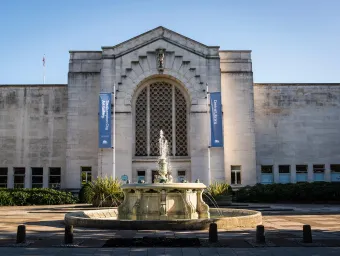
[
  {"x": 37, "y": 177},
  {"x": 181, "y": 175},
  {"x": 3, "y": 177},
  {"x": 140, "y": 176},
  {"x": 335, "y": 172},
  {"x": 319, "y": 172},
  {"x": 267, "y": 174},
  {"x": 284, "y": 173},
  {"x": 86, "y": 174},
  {"x": 19, "y": 177},
  {"x": 154, "y": 173},
  {"x": 235, "y": 174},
  {"x": 54, "y": 178},
  {"x": 301, "y": 173}
]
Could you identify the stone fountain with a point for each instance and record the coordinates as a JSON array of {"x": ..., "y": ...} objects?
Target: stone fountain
[
  {"x": 163, "y": 200},
  {"x": 163, "y": 205}
]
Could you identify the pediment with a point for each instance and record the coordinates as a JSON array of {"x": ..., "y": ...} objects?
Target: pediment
[{"x": 160, "y": 33}]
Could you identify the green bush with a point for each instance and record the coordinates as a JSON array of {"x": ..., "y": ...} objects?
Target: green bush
[
  {"x": 86, "y": 194},
  {"x": 322, "y": 192},
  {"x": 218, "y": 189},
  {"x": 35, "y": 196},
  {"x": 102, "y": 192}
]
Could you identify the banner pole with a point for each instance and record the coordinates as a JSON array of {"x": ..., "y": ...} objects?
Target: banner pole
[
  {"x": 209, "y": 134},
  {"x": 114, "y": 133}
]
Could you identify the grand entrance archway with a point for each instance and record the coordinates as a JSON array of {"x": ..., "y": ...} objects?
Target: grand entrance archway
[{"x": 161, "y": 104}]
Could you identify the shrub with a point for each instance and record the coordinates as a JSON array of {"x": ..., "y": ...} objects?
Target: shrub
[
  {"x": 107, "y": 192},
  {"x": 300, "y": 193},
  {"x": 86, "y": 193},
  {"x": 35, "y": 196},
  {"x": 218, "y": 189}
]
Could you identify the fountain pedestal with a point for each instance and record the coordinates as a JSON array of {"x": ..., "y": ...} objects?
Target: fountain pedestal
[{"x": 163, "y": 201}]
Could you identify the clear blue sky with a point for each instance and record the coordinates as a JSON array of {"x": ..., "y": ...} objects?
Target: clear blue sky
[{"x": 292, "y": 41}]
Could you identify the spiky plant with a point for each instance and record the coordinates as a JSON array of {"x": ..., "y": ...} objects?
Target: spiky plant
[
  {"x": 107, "y": 191},
  {"x": 217, "y": 189}
]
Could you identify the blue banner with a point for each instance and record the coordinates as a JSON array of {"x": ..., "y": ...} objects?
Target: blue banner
[
  {"x": 216, "y": 119},
  {"x": 104, "y": 128}
]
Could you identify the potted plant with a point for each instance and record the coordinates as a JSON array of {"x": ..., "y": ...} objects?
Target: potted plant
[{"x": 220, "y": 192}]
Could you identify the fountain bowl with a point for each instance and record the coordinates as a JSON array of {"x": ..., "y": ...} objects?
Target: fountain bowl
[
  {"x": 163, "y": 201},
  {"x": 225, "y": 218}
]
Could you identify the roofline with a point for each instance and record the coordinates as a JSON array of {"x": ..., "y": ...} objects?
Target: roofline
[
  {"x": 84, "y": 51},
  {"x": 33, "y": 85},
  {"x": 159, "y": 27},
  {"x": 236, "y": 51},
  {"x": 296, "y": 84}
]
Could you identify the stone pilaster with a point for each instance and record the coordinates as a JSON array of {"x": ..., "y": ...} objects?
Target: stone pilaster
[{"x": 238, "y": 114}]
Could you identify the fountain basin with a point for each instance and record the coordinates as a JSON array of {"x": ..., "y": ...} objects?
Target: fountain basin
[
  {"x": 108, "y": 219},
  {"x": 163, "y": 201}
]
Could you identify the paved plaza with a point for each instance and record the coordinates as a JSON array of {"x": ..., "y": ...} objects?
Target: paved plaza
[{"x": 283, "y": 224}]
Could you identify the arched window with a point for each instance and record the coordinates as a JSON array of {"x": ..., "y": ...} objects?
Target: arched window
[{"x": 161, "y": 106}]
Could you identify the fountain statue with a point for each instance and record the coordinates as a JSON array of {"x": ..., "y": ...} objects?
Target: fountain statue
[
  {"x": 164, "y": 175},
  {"x": 163, "y": 200}
]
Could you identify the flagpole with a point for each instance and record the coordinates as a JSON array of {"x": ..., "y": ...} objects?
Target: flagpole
[
  {"x": 209, "y": 133},
  {"x": 44, "y": 69},
  {"x": 114, "y": 133}
]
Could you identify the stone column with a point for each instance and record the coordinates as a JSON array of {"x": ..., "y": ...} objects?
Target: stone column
[
  {"x": 310, "y": 174},
  {"x": 276, "y": 173},
  {"x": 10, "y": 177},
  {"x": 327, "y": 172},
  {"x": 238, "y": 114},
  {"x": 28, "y": 177},
  {"x": 293, "y": 173},
  {"x": 45, "y": 177}
]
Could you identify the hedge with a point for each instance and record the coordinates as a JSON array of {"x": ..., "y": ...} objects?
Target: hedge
[
  {"x": 35, "y": 196},
  {"x": 315, "y": 192}
]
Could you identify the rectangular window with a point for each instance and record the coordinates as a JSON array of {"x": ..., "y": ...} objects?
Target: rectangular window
[
  {"x": 54, "y": 178},
  {"x": 140, "y": 176},
  {"x": 86, "y": 174},
  {"x": 335, "y": 172},
  {"x": 266, "y": 169},
  {"x": 3, "y": 177},
  {"x": 37, "y": 177},
  {"x": 235, "y": 174},
  {"x": 319, "y": 172},
  {"x": 19, "y": 177},
  {"x": 181, "y": 176},
  {"x": 301, "y": 173},
  {"x": 284, "y": 173},
  {"x": 154, "y": 173},
  {"x": 267, "y": 174}
]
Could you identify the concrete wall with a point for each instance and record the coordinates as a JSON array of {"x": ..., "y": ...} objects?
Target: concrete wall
[
  {"x": 297, "y": 124},
  {"x": 238, "y": 114},
  {"x": 33, "y": 128}
]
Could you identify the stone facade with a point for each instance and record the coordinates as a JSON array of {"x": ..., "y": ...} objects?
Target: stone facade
[{"x": 263, "y": 124}]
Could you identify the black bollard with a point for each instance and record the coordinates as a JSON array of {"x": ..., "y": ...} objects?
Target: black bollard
[
  {"x": 213, "y": 236},
  {"x": 260, "y": 238},
  {"x": 21, "y": 234},
  {"x": 68, "y": 234},
  {"x": 307, "y": 234}
]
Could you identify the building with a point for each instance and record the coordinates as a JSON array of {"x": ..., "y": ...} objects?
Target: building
[{"x": 271, "y": 132}]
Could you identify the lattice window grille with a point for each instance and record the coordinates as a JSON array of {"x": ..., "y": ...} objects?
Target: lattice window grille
[{"x": 161, "y": 106}]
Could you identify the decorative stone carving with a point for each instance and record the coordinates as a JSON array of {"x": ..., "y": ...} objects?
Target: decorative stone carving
[
  {"x": 202, "y": 207},
  {"x": 167, "y": 201},
  {"x": 160, "y": 55}
]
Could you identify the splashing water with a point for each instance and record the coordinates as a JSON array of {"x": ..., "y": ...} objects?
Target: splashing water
[{"x": 164, "y": 175}]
